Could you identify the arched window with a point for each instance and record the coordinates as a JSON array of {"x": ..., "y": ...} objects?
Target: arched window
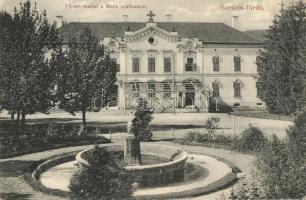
[
  {"x": 151, "y": 88},
  {"x": 237, "y": 63},
  {"x": 151, "y": 64},
  {"x": 216, "y": 88},
  {"x": 166, "y": 89},
  {"x": 135, "y": 86},
  {"x": 216, "y": 63},
  {"x": 237, "y": 89},
  {"x": 135, "y": 64},
  {"x": 167, "y": 64}
]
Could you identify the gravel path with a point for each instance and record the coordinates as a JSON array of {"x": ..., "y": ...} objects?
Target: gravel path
[{"x": 229, "y": 124}]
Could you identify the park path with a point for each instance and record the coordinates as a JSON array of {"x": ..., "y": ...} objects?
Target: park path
[
  {"x": 15, "y": 187},
  {"x": 229, "y": 124}
]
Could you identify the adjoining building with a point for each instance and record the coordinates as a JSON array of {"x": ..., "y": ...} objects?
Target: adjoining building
[{"x": 178, "y": 63}]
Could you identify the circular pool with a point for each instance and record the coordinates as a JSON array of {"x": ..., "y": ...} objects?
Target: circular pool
[
  {"x": 161, "y": 164},
  {"x": 201, "y": 173}
]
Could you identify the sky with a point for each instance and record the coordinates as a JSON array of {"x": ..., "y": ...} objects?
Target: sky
[{"x": 253, "y": 14}]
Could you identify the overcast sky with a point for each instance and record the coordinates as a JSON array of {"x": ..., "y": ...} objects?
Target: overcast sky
[{"x": 181, "y": 10}]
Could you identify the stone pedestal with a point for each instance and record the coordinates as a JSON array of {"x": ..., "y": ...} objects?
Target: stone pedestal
[{"x": 132, "y": 152}]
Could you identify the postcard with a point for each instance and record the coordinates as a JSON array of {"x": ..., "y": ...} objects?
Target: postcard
[{"x": 152, "y": 99}]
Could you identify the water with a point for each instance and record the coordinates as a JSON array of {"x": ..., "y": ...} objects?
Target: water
[{"x": 58, "y": 177}]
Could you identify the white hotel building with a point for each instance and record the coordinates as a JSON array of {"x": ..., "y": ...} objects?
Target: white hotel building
[{"x": 179, "y": 63}]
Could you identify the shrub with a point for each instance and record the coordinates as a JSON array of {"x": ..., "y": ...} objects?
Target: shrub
[
  {"x": 224, "y": 140},
  {"x": 251, "y": 139},
  {"x": 142, "y": 117},
  {"x": 297, "y": 136},
  {"x": 222, "y": 106},
  {"x": 212, "y": 124},
  {"x": 104, "y": 179},
  {"x": 43, "y": 136},
  {"x": 247, "y": 188},
  {"x": 206, "y": 137},
  {"x": 189, "y": 137},
  {"x": 279, "y": 171}
]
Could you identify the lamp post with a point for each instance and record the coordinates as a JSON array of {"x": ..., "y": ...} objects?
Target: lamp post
[
  {"x": 234, "y": 126},
  {"x": 217, "y": 105},
  {"x": 151, "y": 97}
]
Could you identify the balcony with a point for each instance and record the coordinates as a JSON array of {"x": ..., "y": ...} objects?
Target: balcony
[{"x": 190, "y": 67}]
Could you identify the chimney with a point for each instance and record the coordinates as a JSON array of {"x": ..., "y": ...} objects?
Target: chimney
[
  {"x": 125, "y": 18},
  {"x": 169, "y": 18},
  {"x": 235, "y": 22},
  {"x": 59, "y": 21}
]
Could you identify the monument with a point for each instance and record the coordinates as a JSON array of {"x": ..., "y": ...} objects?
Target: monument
[{"x": 137, "y": 129}]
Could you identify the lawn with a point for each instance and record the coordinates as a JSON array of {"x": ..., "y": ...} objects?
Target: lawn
[
  {"x": 263, "y": 114},
  {"x": 17, "y": 140}
]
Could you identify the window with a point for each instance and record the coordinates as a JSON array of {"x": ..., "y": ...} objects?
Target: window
[
  {"x": 237, "y": 89},
  {"x": 135, "y": 65},
  {"x": 216, "y": 63},
  {"x": 237, "y": 63},
  {"x": 216, "y": 89},
  {"x": 151, "y": 40},
  {"x": 167, "y": 90},
  {"x": 135, "y": 86},
  {"x": 167, "y": 64},
  {"x": 257, "y": 89},
  {"x": 151, "y": 87},
  {"x": 190, "y": 66},
  {"x": 151, "y": 64},
  {"x": 114, "y": 60}
]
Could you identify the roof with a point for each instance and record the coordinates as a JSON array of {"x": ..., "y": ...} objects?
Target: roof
[
  {"x": 215, "y": 33},
  {"x": 259, "y": 34}
]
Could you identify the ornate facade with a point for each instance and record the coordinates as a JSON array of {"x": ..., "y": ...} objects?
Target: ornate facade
[{"x": 180, "y": 64}]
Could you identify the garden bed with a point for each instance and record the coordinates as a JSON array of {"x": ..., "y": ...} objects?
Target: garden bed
[
  {"x": 251, "y": 140},
  {"x": 100, "y": 140},
  {"x": 262, "y": 114},
  {"x": 41, "y": 137}
]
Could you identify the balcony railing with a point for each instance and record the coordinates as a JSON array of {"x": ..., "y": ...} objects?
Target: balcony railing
[{"x": 190, "y": 67}]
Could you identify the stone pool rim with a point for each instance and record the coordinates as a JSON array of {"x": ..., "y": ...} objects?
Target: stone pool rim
[
  {"x": 170, "y": 171},
  {"x": 183, "y": 157},
  {"x": 33, "y": 178}
]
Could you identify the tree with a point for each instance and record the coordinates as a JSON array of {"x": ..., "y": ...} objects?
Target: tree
[
  {"x": 282, "y": 62},
  {"x": 6, "y": 23},
  {"x": 143, "y": 114},
  {"x": 103, "y": 179},
  {"x": 27, "y": 79},
  {"x": 84, "y": 71},
  {"x": 279, "y": 171},
  {"x": 252, "y": 139},
  {"x": 138, "y": 127},
  {"x": 297, "y": 138}
]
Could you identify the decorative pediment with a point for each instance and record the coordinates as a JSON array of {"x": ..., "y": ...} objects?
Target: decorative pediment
[
  {"x": 238, "y": 82},
  {"x": 190, "y": 45},
  {"x": 113, "y": 45},
  {"x": 136, "y": 53},
  {"x": 151, "y": 31}
]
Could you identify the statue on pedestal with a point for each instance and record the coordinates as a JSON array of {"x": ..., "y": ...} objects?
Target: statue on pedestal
[{"x": 137, "y": 129}]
